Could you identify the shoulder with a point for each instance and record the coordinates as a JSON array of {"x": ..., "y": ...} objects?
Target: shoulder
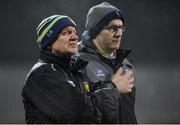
[
  {"x": 42, "y": 71},
  {"x": 45, "y": 76},
  {"x": 39, "y": 67},
  {"x": 87, "y": 51}
]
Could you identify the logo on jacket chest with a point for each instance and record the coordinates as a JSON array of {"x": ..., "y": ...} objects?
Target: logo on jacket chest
[{"x": 100, "y": 73}]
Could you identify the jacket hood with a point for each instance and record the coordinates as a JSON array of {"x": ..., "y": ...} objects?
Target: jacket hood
[
  {"x": 88, "y": 47},
  {"x": 88, "y": 52},
  {"x": 59, "y": 59}
]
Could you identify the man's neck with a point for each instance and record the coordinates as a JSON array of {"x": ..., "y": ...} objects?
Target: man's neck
[{"x": 106, "y": 53}]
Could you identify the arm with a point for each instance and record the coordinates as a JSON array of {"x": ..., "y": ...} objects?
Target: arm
[
  {"x": 106, "y": 100},
  {"x": 51, "y": 95}
]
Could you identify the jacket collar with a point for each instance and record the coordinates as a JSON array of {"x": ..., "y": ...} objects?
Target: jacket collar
[
  {"x": 64, "y": 60},
  {"x": 59, "y": 59}
]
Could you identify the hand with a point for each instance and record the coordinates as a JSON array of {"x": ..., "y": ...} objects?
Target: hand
[{"x": 123, "y": 81}]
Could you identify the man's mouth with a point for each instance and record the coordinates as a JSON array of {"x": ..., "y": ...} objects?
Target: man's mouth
[
  {"x": 116, "y": 41},
  {"x": 73, "y": 44}
]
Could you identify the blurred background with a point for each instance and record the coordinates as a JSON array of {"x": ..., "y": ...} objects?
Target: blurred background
[{"x": 152, "y": 32}]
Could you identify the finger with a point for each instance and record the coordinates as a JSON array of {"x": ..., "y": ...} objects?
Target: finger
[
  {"x": 131, "y": 80},
  {"x": 129, "y": 90},
  {"x": 131, "y": 86},
  {"x": 128, "y": 74},
  {"x": 119, "y": 71}
]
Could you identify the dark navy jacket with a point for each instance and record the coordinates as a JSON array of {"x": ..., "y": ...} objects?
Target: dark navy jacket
[{"x": 53, "y": 94}]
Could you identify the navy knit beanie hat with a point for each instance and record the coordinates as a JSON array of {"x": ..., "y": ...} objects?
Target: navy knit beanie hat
[
  {"x": 49, "y": 29},
  {"x": 99, "y": 16}
]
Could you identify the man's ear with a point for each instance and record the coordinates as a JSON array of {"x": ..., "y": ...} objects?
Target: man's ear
[{"x": 49, "y": 48}]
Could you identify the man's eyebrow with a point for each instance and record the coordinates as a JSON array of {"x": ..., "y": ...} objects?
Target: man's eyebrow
[{"x": 113, "y": 25}]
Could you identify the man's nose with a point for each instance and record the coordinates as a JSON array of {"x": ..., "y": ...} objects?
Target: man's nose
[
  {"x": 74, "y": 36},
  {"x": 118, "y": 33}
]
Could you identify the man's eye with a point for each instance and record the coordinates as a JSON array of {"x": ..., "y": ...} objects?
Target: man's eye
[
  {"x": 112, "y": 29},
  {"x": 115, "y": 28},
  {"x": 66, "y": 33}
]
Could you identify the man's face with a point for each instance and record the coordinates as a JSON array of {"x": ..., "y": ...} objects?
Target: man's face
[
  {"x": 109, "y": 38},
  {"x": 66, "y": 42}
]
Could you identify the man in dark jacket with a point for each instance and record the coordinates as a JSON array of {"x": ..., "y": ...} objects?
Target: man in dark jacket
[
  {"x": 52, "y": 92},
  {"x": 108, "y": 67}
]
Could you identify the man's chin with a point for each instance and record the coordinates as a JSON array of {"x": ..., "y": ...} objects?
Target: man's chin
[
  {"x": 72, "y": 51},
  {"x": 115, "y": 48}
]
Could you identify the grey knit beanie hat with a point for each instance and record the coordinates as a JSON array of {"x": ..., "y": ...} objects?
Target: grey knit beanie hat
[{"x": 99, "y": 16}]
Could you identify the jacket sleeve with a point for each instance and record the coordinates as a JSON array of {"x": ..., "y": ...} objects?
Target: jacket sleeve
[
  {"x": 51, "y": 94},
  {"x": 106, "y": 99}
]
